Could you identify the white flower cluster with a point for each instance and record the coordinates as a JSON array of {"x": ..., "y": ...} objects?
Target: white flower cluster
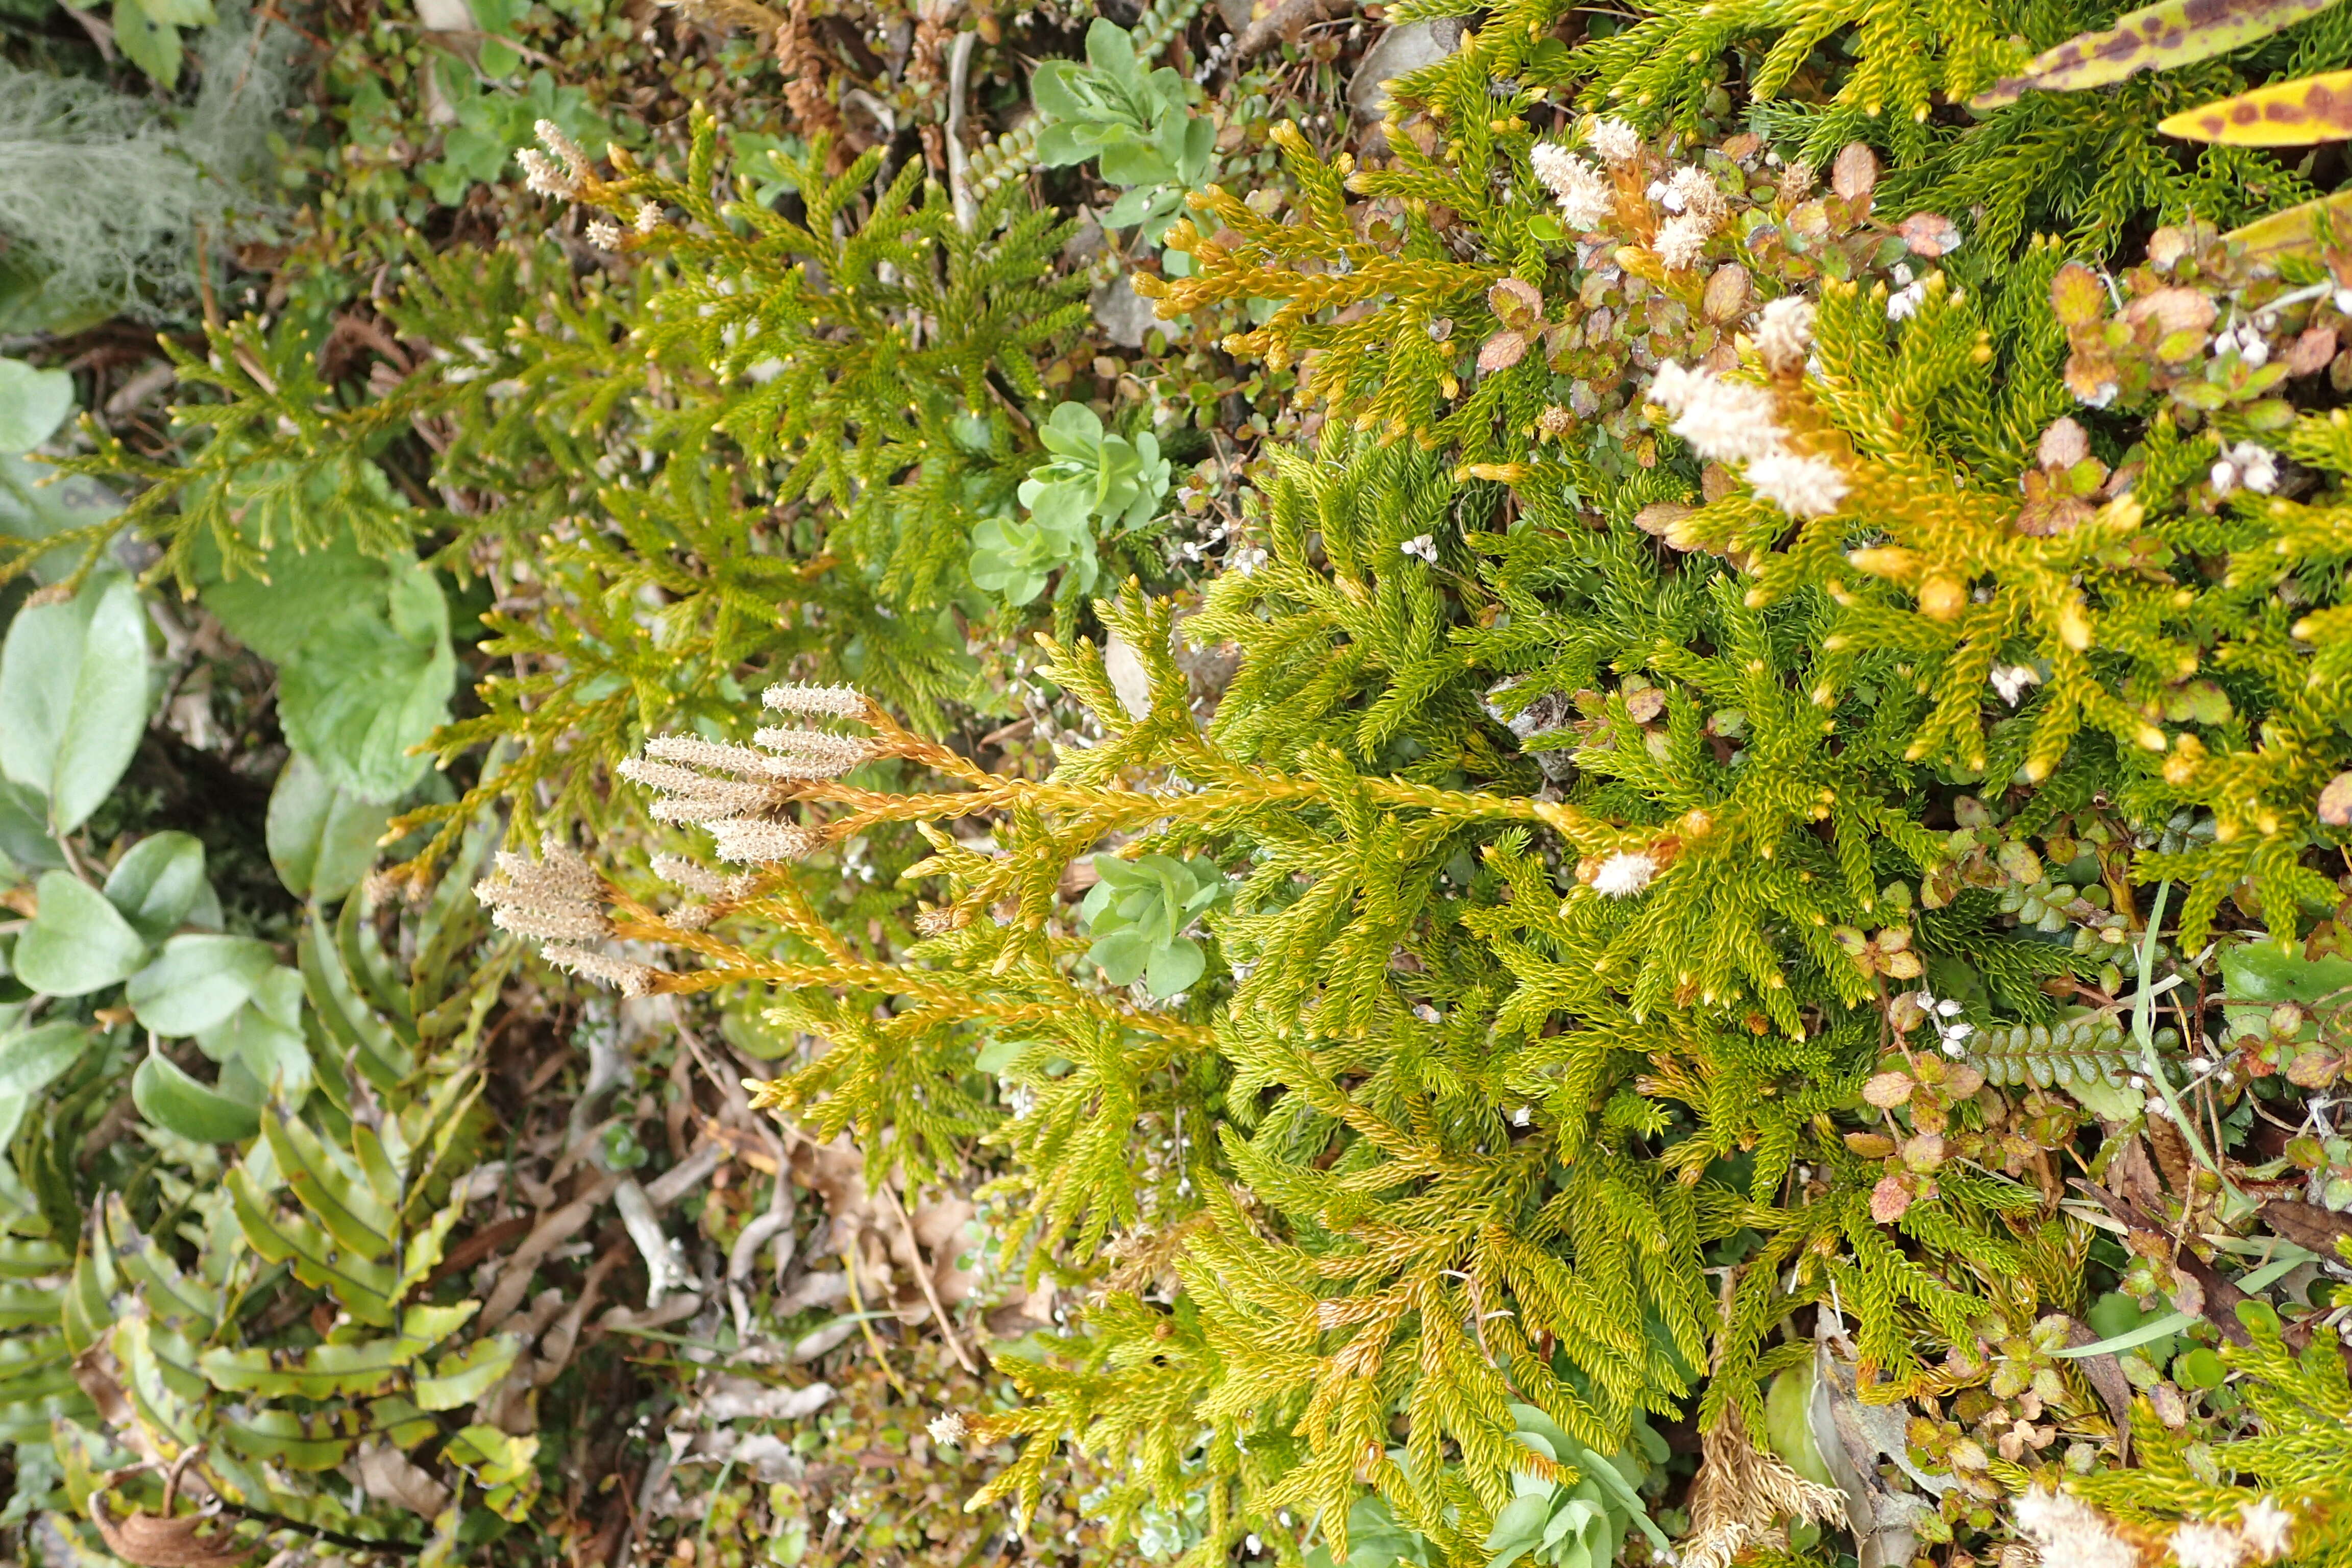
[
  {"x": 2011, "y": 679},
  {"x": 1910, "y": 293},
  {"x": 2247, "y": 341},
  {"x": 2248, "y": 465},
  {"x": 1729, "y": 422},
  {"x": 1784, "y": 333},
  {"x": 1698, "y": 210},
  {"x": 1615, "y": 139},
  {"x": 1422, "y": 545},
  {"x": 1952, "y": 1031},
  {"x": 1624, "y": 874},
  {"x": 1583, "y": 196}
]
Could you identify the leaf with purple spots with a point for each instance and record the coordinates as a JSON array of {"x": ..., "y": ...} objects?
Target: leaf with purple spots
[{"x": 2163, "y": 36}]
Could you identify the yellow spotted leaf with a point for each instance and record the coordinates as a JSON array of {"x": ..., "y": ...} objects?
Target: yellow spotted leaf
[
  {"x": 2163, "y": 36},
  {"x": 2296, "y": 228},
  {"x": 2283, "y": 114}
]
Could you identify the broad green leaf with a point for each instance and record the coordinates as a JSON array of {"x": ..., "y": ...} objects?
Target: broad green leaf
[
  {"x": 73, "y": 684},
  {"x": 77, "y": 943},
  {"x": 158, "y": 882},
  {"x": 150, "y": 44},
  {"x": 2282, "y": 114},
  {"x": 31, "y": 1059},
  {"x": 363, "y": 648},
  {"x": 1518, "y": 1529},
  {"x": 321, "y": 838},
  {"x": 350, "y": 1023},
  {"x": 1174, "y": 966},
  {"x": 33, "y": 403},
  {"x": 1050, "y": 91},
  {"x": 31, "y": 1257},
  {"x": 266, "y": 1035},
  {"x": 2297, "y": 228},
  {"x": 338, "y": 1195},
  {"x": 182, "y": 13},
  {"x": 25, "y": 828},
  {"x": 172, "y": 1101},
  {"x": 321, "y": 1371},
  {"x": 198, "y": 982},
  {"x": 2156, "y": 38},
  {"x": 312, "y": 1440},
  {"x": 459, "y": 1380},
  {"x": 366, "y": 1289},
  {"x": 172, "y": 1297}
]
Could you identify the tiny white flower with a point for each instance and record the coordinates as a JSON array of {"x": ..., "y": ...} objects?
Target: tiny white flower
[
  {"x": 1422, "y": 545},
  {"x": 1615, "y": 139},
  {"x": 1905, "y": 302},
  {"x": 2208, "y": 1546},
  {"x": 2257, "y": 467},
  {"x": 1949, "y": 1008},
  {"x": 604, "y": 234},
  {"x": 1784, "y": 333},
  {"x": 649, "y": 218},
  {"x": 2247, "y": 340},
  {"x": 947, "y": 1428},
  {"x": 1622, "y": 875},
  {"x": 1682, "y": 241},
  {"x": 2011, "y": 679},
  {"x": 2267, "y": 1529},
  {"x": 1801, "y": 487},
  {"x": 1583, "y": 196},
  {"x": 1902, "y": 275},
  {"x": 2344, "y": 300},
  {"x": 1520, "y": 1117}
]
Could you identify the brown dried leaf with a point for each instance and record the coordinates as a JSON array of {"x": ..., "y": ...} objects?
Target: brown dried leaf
[
  {"x": 1929, "y": 235},
  {"x": 1855, "y": 173},
  {"x": 2310, "y": 352},
  {"x": 2064, "y": 444},
  {"x": 2335, "y": 802},
  {"x": 1501, "y": 351},
  {"x": 180, "y": 1541},
  {"x": 1890, "y": 1200},
  {"x": 1727, "y": 295},
  {"x": 2173, "y": 310},
  {"x": 1888, "y": 1089}
]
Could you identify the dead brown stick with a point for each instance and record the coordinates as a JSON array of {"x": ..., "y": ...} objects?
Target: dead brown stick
[{"x": 923, "y": 1278}]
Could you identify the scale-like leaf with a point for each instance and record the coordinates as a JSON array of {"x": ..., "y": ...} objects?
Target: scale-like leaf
[
  {"x": 2282, "y": 114},
  {"x": 2156, "y": 38}
]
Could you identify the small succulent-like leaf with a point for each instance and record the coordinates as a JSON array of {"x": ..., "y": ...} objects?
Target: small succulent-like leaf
[
  {"x": 2163, "y": 36},
  {"x": 2281, "y": 114}
]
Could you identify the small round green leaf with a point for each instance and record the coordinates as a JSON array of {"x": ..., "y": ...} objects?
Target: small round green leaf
[
  {"x": 198, "y": 982},
  {"x": 73, "y": 684},
  {"x": 31, "y": 1059},
  {"x": 77, "y": 941},
  {"x": 2199, "y": 1368},
  {"x": 172, "y": 1101},
  {"x": 321, "y": 838},
  {"x": 158, "y": 882}
]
